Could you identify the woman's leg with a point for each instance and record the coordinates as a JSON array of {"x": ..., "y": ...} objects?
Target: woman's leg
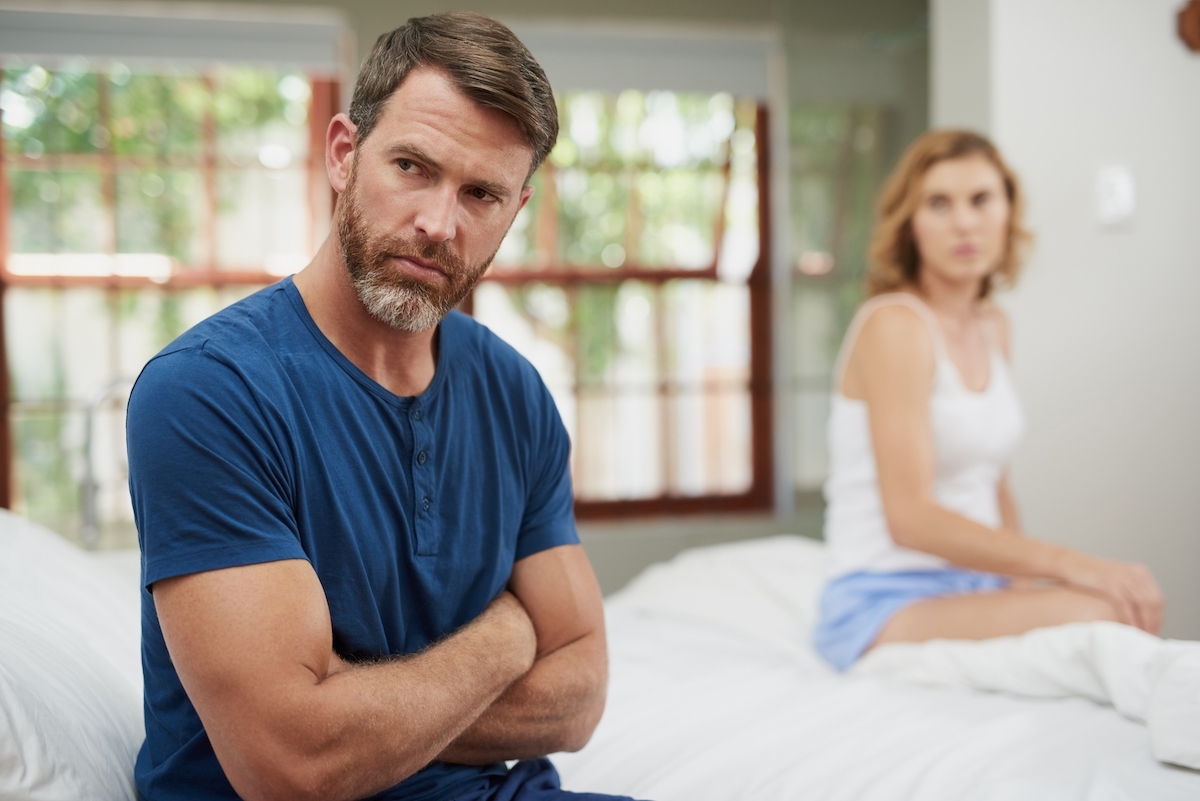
[{"x": 999, "y": 613}]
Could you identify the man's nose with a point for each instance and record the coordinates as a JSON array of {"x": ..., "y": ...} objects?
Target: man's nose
[{"x": 437, "y": 213}]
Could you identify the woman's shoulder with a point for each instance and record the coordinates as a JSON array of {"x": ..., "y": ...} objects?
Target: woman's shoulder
[
  {"x": 896, "y": 316},
  {"x": 890, "y": 338}
]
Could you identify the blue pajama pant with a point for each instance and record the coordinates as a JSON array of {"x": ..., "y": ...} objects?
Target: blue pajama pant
[
  {"x": 855, "y": 607},
  {"x": 533, "y": 780}
]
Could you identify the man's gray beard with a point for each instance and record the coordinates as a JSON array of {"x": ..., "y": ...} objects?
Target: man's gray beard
[{"x": 398, "y": 307}]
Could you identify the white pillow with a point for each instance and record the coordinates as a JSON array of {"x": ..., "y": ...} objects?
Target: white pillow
[
  {"x": 70, "y": 726},
  {"x": 70, "y": 677}
]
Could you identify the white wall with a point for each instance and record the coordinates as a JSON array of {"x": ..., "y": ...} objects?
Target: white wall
[{"x": 1107, "y": 320}]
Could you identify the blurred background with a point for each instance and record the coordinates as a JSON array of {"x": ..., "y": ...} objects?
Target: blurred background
[{"x": 689, "y": 262}]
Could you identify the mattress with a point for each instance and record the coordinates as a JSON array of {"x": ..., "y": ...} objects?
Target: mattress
[{"x": 715, "y": 694}]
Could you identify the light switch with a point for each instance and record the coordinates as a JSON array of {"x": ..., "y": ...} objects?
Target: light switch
[{"x": 1116, "y": 196}]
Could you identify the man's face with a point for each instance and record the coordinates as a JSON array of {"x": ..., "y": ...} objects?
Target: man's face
[{"x": 430, "y": 194}]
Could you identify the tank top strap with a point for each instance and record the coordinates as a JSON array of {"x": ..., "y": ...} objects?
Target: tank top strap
[{"x": 864, "y": 313}]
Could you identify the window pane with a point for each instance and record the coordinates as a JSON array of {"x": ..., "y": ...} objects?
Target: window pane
[
  {"x": 262, "y": 219},
  {"x": 73, "y": 354},
  {"x": 160, "y": 211},
  {"x": 707, "y": 366},
  {"x": 201, "y": 170},
  {"x": 651, "y": 377},
  {"x": 643, "y": 180},
  {"x": 652, "y": 382},
  {"x": 51, "y": 113},
  {"x": 261, "y": 117},
  {"x": 157, "y": 116},
  {"x": 57, "y": 211}
]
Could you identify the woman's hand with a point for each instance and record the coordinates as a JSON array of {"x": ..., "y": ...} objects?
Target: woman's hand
[{"x": 1128, "y": 586}]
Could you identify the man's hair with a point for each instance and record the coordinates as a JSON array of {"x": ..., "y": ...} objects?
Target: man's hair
[
  {"x": 482, "y": 58},
  {"x": 893, "y": 257}
]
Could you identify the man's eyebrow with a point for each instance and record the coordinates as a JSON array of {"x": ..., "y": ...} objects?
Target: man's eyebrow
[
  {"x": 417, "y": 154},
  {"x": 401, "y": 149}
]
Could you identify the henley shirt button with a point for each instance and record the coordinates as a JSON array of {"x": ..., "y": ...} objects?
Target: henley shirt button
[
  {"x": 416, "y": 414},
  {"x": 425, "y": 504},
  {"x": 421, "y": 457}
]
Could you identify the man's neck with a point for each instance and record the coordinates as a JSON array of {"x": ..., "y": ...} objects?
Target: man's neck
[{"x": 401, "y": 362}]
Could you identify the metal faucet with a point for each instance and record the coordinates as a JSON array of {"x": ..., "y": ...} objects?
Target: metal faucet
[{"x": 89, "y": 488}]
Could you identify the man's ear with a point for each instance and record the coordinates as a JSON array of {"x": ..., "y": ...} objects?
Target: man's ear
[
  {"x": 526, "y": 193},
  {"x": 340, "y": 141}
]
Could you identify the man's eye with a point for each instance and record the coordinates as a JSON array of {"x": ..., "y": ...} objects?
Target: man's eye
[
  {"x": 406, "y": 165},
  {"x": 480, "y": 194}
]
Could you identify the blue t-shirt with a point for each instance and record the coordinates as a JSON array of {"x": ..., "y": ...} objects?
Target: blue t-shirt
[{"x": 253, "y": 439}]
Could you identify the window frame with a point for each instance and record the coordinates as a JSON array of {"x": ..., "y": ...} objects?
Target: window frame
[
  {"x": 324, "y": 103},
  {"x": 760, "y": 496}
]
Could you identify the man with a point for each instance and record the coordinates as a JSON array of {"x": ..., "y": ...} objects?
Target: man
[{"x": 362, "y": 577}]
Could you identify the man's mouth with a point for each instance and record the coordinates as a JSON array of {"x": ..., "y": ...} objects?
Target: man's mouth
[{"x": 423, "y": 269}]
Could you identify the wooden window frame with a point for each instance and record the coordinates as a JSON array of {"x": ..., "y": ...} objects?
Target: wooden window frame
[
  {"x": 759, "y": 497},
  {"x": 323, "y": 104}
]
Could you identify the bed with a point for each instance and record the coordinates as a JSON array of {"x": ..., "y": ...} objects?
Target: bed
[{"x": 714, "y": 695}]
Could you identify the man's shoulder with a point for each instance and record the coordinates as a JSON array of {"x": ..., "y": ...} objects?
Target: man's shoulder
[
  {"x": 243, "y": 325},
  {"x": 480, "y": 347},
  {"x": 239, "y": 340}
]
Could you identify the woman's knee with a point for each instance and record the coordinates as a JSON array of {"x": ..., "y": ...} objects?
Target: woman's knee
[{"x": 1083, "y": 607}]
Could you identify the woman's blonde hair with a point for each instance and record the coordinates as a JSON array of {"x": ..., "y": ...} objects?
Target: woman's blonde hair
[{"x": 893, "y": 255}]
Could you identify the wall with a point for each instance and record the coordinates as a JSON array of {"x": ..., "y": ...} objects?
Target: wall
[{"x": 1105, "y": 320}]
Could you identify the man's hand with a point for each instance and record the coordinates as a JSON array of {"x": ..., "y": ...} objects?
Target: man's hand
[
  {"x": 557, "y": 704},
  {"x": 288, "y": 719}
]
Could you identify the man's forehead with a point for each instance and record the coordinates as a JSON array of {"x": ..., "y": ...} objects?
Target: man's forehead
[{"x": 429, "y": 106}]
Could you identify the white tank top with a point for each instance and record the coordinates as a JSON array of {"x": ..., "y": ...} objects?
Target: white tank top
[{"x": 974, "y": 435}]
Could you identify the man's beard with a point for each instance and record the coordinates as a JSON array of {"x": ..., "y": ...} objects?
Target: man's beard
[{"x": 390, "y": 296}]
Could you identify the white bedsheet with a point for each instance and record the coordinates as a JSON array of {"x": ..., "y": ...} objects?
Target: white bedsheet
[{"x": 715, "y": 695}]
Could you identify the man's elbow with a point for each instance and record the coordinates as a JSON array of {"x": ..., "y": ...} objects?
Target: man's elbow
[
  {"x": 267, "y": 782},
  {"x": 292, "y": 771},
  {"x": 578, "y": 728},
  {"x": 579, "y": 734}
]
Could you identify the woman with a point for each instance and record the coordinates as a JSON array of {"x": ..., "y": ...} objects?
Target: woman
[{"x": 922, "y": 530}]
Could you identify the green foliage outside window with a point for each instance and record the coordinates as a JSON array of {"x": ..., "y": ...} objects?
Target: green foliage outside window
[{"x": 106, "y": 160}]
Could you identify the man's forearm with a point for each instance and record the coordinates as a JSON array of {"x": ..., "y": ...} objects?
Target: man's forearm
[
  {"x": 554, "y": 707},
  {"x": 288, "y": 720}
]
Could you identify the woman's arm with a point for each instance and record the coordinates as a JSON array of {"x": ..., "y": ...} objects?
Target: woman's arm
[
  {"x": 1010, "y": 519},
  {"x": 892, "y": 368}
]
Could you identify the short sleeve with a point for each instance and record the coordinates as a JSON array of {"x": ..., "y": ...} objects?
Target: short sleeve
[
  {"x": 549, "y": 518},
  {"x": 208, "y": 469}
]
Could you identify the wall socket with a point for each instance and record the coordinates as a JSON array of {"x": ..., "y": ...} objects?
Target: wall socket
[{"x": 1116, "y": 195}]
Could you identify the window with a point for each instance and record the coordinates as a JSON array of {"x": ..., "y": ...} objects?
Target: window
[
  {"x": 636, "y": 281},
  {"x": 142, "y": 196},
  {"x": 147, "y": 192}
]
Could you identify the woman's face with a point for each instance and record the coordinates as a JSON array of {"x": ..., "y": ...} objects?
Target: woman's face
[{"x": 961, "y": 222}]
